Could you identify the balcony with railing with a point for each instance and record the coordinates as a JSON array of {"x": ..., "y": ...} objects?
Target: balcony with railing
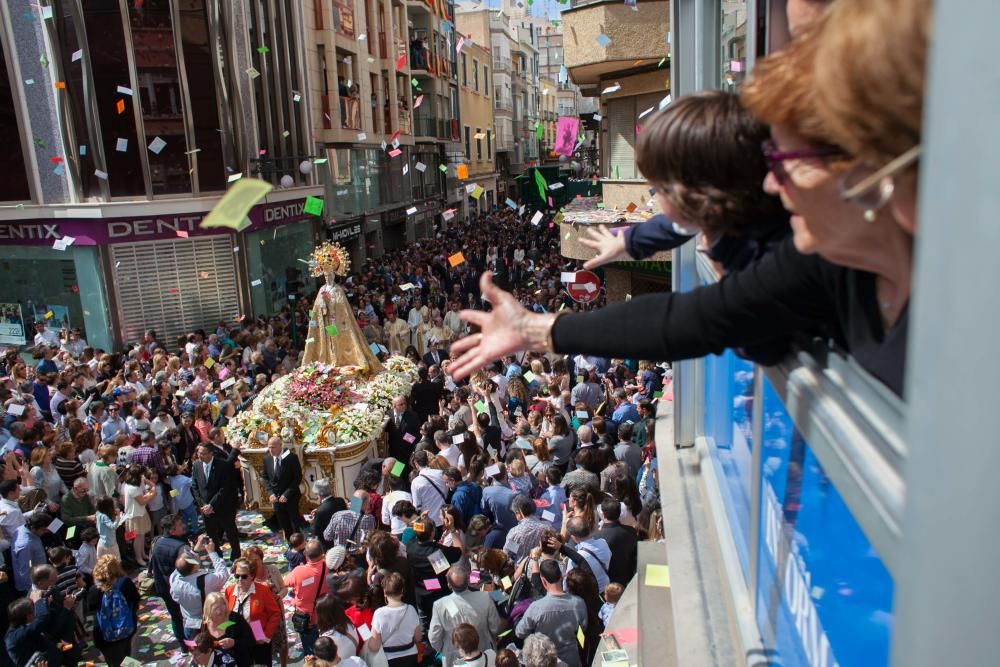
[
  {"x": 503, "y": 103},
  {"x": 501, "y": 64},
  {"x": 350, "y": 113},
  {"x": 425, "y": 126}
]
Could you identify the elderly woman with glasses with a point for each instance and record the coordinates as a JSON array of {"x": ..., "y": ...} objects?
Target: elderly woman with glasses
[
  {"x": 255, "y": 602},
  {"x": 845, "y": 274}
]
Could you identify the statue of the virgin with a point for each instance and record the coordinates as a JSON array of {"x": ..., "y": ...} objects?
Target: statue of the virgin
[{"x": 334, "y": 336}]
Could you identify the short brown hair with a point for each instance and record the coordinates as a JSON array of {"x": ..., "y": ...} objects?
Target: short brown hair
[
  {"x": 465, "y": 637},
  {"x": 871, "y": 59},
  {"x": 393, "y": 584},
  {"x": 704, "y": 154}
]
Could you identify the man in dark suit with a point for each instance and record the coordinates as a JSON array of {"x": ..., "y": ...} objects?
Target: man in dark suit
[
  {"x": 425, "y": 395},
  {"x": 434, "y": 356},
  {"x": 403, "y": 429},
  {"x": 622, "y": 540},
  {"x": 214, "y": 489},
  {"x": 328, "y": 506},
  {"x": 282, "y": 476}
]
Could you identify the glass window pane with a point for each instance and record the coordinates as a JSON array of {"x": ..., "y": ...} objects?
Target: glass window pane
[
  {"x": 160, "y": 96},
  {"x": 106, "y": 38},
  {"x": 14, "y": 184},
  {"x": 199, "y": 64},
  {"x": 733, "y": 44}
]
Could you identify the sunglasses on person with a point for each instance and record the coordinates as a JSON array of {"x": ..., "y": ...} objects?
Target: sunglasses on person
[
  {"x": 870, "y": 188},
  {"x": 776, "y": 158},
  {"x": 242, "y": 576}
]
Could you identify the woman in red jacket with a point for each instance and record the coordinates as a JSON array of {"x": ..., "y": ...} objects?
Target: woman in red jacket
[{"x": 257, "y": 604}]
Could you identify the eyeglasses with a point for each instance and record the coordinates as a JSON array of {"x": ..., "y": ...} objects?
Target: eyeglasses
[
  {"x": 776, "y": 159},
  {"x": 242, "y": 576},
  {"x": 871, "y": 190}
]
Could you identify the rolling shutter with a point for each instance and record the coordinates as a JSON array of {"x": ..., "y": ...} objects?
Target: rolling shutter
[
  {"x": 621, "y": 138},
  {"x": 175, "y": 287}
]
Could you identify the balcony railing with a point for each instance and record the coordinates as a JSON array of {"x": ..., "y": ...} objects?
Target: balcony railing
[
  {"x": 501, "y": 64},
  {"x": 425, "y": 126},
  {"x": 504, "y": 102},
  {"x": 405, "y": 125},
  {"x": 382, "y": 53},
  {"x": 350, "y": 113}
]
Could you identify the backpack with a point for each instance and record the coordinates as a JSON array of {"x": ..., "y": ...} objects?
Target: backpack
[{"x": 114, "y": 618}]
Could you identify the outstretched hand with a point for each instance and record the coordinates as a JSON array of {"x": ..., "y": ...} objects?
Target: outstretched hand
[
  {"x": 610, "y": 247},
  {"x": 506, "y": 329}
]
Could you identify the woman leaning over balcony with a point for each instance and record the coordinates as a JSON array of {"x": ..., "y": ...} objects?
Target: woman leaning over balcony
[{"x": 848, "y": 263}]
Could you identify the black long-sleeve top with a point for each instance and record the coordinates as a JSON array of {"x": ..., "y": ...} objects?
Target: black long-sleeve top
[{"x": 782, "y": 293}]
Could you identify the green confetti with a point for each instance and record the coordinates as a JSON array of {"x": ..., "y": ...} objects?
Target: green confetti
[
  {"x": 542, "y": 185},
  {"x": 397, "y": 469},
  {"x": 660, "y": 64},
  {"x": 70, "y": 532},
  {"x": 263, "y": 49},
  {"x": 443, "y": 168},
  {"x": 331, "y": 330},
  {"x": 225, "y": 624},
  {"x": 43, "y": 61},
  {"x": 480, "y": 406},
  {"x": 314, "y": 206},
  {"x": 40, "y": 142},
  {"x": 321, "y": 160}
]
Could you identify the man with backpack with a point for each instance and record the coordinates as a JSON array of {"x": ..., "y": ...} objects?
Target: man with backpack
[
  {"x": 163, "y": 557},
  {"x": 189, "y": 584}
]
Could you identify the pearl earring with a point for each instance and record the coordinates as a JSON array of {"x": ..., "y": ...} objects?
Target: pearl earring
[{"x": 870, "y": 215}]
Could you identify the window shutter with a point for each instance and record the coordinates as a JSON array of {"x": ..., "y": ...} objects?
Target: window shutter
[
  {"x": 621, "y": 138},
  {"x": 175, "y": 287}
]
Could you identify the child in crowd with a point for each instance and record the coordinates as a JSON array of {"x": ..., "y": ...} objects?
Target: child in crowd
[
  {"x": 69, "y": 578},
  {"x": 612, "y": 594},
  {"x": 465, "y": 638},
  {"x": 107, "y": 525},
  {"x": 183, "y": 500},
  {"x": 295, "y": 554},
  {"x": 520, "y": 479},
  {"x": 86, "y": 555}
]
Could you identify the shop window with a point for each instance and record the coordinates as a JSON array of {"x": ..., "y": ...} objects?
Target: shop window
[
  {"x": 342, "y": 170},
  {"x": 276, "y": 263},
  {"x": 14, "y": 184}
]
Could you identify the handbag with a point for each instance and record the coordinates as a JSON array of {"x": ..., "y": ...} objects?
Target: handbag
[{"x": 301, "y": 621}]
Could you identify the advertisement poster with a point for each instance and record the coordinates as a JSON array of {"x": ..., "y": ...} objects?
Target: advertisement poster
[
  {"x": 11, "y": 324},
  {"x": 58, "y": 316}
]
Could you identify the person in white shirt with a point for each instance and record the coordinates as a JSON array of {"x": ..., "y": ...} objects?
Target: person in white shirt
[
  {"x": 75, "y": 344},
  {"x": 448, "y": 447},
  {"x": 44, "y": 335},
  {"x": 428, "y": 487},
  {"x": 396, "y": 493},
  {"x": 594, "y": 549},
  {"x": 162, "y": 423},
  {"x": 184, "y": 587}
]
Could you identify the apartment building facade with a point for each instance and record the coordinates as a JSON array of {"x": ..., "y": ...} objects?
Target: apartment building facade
[{"x": 478, "y": 134}]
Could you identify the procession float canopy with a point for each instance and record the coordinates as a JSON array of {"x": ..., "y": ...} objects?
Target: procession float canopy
[{"x": 330, "y": 410}]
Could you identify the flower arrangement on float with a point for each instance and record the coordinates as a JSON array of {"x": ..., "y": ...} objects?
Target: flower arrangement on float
[{"x": 324, "y": 406}]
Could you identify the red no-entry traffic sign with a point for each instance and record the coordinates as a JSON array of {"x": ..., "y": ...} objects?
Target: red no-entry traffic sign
[{"x": 585, "y": 287}]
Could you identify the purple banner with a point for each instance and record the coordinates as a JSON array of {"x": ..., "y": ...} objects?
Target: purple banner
[{"x": 105, "y": 231}]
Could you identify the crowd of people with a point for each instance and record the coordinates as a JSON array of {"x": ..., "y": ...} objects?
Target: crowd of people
[
  {"x": 113, "y": 462},
  {"x": 503, "y": 524}
]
